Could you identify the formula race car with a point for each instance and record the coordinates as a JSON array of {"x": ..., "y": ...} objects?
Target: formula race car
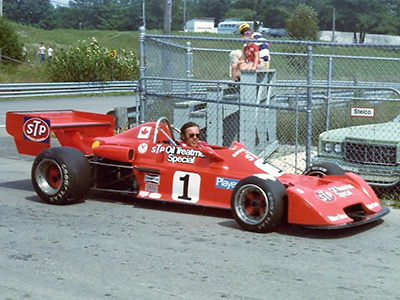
[{"x": 147, "y": 162}]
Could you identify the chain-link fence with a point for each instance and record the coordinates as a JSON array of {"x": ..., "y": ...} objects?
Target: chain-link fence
[{"x": 319, "y": 102}]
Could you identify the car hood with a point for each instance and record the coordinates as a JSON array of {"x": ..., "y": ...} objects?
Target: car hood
[{"x": 383, "y": 132}]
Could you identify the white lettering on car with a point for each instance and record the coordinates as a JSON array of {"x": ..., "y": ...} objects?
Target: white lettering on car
[
  {"x": 372, "y": 205},
  {"x": 247, "y": 154},
  {"x": 337, "y": 217},
  {"x": 342, "y": 191},
  {"x": 225, "y": 183},
  {"x": 180, "y": 159},
  {"x": 178, "y": 154}
]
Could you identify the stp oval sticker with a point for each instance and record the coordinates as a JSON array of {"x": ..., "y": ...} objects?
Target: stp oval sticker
[
  {"x": 36, "y": 129},
  {"x": 325, "y": 196}
]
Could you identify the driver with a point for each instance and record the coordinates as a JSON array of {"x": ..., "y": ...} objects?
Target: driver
[{"x": 190, "y": 134}]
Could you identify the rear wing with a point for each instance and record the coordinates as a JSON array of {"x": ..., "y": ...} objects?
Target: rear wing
[{"x": 32, "y": 129}]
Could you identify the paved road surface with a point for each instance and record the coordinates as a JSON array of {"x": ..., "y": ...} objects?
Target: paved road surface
[{"x": 121, "y": 248}]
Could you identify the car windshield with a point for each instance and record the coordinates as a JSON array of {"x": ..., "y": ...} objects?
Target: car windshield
[{"x": 397, "y": 119}]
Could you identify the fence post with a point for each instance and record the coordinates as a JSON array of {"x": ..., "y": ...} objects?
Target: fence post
[
  {"x": 142, "y": 74},
  {"x": 189, "y": 57},
  {"x": 309, "y": 105},
  {"x": 328, "y": 99}
]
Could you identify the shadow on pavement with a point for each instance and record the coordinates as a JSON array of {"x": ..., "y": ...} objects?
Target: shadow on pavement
[{"x": 23, "y": 185}]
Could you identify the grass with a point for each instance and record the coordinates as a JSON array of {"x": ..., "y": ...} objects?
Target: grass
[
  {"x": 211, "y": 64},
  {"x": 60, "y": 39},
  {"x": 64, "y": 38}
]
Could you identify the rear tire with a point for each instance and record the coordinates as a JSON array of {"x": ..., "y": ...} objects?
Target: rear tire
[
  {"x": 61, "y": 175},
  {"x": 258, "y": 204}
]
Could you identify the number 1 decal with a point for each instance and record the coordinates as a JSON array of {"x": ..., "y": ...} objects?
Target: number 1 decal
[{"x": 186, "y": 186}]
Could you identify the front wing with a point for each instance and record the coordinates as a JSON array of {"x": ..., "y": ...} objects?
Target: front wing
[{"x": 363, "y": 220}]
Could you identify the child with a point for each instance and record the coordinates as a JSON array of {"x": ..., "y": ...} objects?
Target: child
[{"x": 250, "y": 58}]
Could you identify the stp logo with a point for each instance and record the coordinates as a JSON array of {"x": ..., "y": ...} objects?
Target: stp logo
[
  {"x": 325, "y": 196},
  {"x": 36, "y": 130}
]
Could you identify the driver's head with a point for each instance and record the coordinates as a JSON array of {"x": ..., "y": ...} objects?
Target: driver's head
[{"x": 190, "y": 134}]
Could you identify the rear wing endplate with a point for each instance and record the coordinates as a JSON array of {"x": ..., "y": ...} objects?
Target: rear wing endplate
[{"x": 32, "y": 129}]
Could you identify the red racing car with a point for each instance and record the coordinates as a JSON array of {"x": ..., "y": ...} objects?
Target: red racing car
[{"x": 147, "y": 162}]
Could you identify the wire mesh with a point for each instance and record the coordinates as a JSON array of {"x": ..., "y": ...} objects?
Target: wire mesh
[{"x": 318, "y": 102}]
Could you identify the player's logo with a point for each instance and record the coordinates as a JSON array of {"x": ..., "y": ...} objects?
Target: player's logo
[{"x": 36, "y": 130}]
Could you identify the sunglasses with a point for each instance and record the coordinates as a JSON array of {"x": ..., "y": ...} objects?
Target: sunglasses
[
  {"x": 192, "y": 135},
  {"x": 247, "y": 34}
]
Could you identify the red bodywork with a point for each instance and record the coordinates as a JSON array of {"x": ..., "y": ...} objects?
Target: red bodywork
[{"x": 197, "y": 176}]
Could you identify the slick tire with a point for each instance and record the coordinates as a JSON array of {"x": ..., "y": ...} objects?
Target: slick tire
[
  {"x": 61, "y": 175},
  {"x": 322, "y": 169},
  {"x": 258, "y": 205}
]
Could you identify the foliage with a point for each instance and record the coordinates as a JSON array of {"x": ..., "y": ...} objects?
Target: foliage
[
  {"x": 90, "y": 62},
  {"x": 213, "y": 8},
  {"x": 373, "y": 16},
  {"x": 9, "y": 42},
  {"x": 60, "y": 39},
  {"x": 104, "y": 15},
  {"x": 31, "y": 12},
  {"x": 358, "y": 16},
  {"x": 302, "y": 24},
  {"x": 241, "y": 14}
]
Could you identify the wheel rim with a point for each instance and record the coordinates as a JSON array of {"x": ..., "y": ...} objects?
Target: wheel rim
[
  {"x": 317, "y": 173},
  {"x": 49, "y": 176},
  {"x": 251, "y": 204}
]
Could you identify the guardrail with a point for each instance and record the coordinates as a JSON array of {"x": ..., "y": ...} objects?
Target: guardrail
[{"x": 16, "y": 90}]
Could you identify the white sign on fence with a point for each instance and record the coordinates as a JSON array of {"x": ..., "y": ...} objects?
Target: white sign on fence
[{"x": 365, "y": 112}]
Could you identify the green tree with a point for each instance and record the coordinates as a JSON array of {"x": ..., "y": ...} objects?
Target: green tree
[
  {"x": 212, "y": 8},
  {"x": 362, "y": 17},
  {"x": 272, "y": 13},
  {"x": 101, "y": 14},
  {"x": 303, "y": 24},
  {"x": 30, "y": 12},
  {"x": 89, "y": 62},
  {"x": 154, "y": 14},
  {"x": 325, "y": 11},
  {"x": 244, "y": 14},
  {"x": 65, "y": 18},
  {"x": 9, "y": 42}
]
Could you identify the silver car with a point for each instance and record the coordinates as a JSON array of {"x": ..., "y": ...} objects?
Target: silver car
[{"x": 371, "y": 151}]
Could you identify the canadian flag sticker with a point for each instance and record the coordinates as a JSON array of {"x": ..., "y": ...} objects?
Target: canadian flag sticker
[{"x": 144, "y": 132}]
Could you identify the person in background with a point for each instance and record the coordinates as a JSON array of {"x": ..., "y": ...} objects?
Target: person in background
[
  {"x": 49, "y": 52},
  {"x": 42, "y": 52},
  {"x": 190, "y": 135},
  {"x": 262, "y": 44},
  {"x": 24, "y": 53},
  {"x": 250, "y": 59}
]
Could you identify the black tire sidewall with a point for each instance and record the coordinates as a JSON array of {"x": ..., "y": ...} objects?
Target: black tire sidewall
[
  {"x": 324, "y": 168},
  {"x": 76, "y": 180},
  {"x": 276, "y": 196}
]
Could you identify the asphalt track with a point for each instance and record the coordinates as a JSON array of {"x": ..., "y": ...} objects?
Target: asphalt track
[{"x": 123, "y": 248}]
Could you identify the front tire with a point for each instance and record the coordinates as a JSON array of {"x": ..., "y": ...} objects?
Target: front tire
[
  {"x": 258, "y": 204},
  {"x": 322, "y": 169},
  {"x": 61, "y": 175}
]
